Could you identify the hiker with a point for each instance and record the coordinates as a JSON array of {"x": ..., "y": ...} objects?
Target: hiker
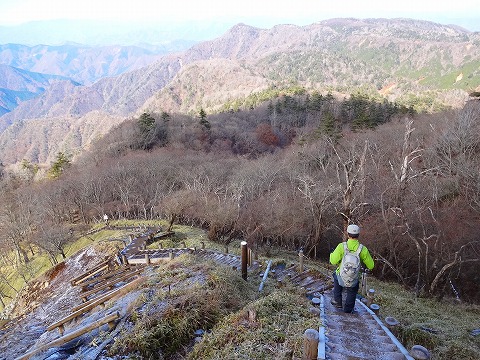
[{"x": 348, "y": 256}]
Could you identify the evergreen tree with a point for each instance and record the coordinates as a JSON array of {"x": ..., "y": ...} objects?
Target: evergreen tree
[
  {"x": 165, "y": 116},
  {"x": 146, "y": 122},
  {"x": 61, "y": 162},
  {"x": 331, "y": 127},
  {"x": 203, "y": 119}
]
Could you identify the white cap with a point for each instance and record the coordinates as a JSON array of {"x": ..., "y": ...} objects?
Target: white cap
[{"x": 353, "y": 229}]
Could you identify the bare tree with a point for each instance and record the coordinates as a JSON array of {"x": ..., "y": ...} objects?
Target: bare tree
[
  {"x": 53, "y": 238},
  {"x": 457, "y": 153},
  {"x": 350, "y": 174},
  {"x": 17, "y": 220}
]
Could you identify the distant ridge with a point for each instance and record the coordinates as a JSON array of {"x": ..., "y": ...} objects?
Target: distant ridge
[
  {"x": 419, "y": 63},
  {"x": 111, "y": 32},
  {"x": 81, "y": 63},
  {"x": 17, "y": 85}
]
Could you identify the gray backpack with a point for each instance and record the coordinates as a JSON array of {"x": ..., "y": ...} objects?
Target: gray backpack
[{"x": 350, "y": 266}]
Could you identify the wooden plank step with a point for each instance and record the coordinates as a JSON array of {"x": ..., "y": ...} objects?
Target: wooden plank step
[
  {"x": 89, "y": 273},
  {"x": 92, "y": 304},
  {"x": 110, "y": 284},
  {"x": 105, "y": 276},
  {"x": 109, "y": 319}
]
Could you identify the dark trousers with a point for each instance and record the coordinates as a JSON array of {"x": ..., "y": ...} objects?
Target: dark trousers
[{"x": 351, "y": 294}]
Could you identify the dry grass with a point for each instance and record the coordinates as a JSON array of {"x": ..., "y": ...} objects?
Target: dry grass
[
  {"x": 187, "y": 294},
  {"x": 444, "y": 327},
  {"x": 184, "y": 296},
  {"x": 276, "y": 331}
]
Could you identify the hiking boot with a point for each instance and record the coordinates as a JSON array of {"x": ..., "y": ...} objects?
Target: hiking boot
[{"x": 336, "y": 304}]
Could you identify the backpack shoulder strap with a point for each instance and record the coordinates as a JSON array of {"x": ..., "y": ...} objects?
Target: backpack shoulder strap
[
  {"x": 359, "y": 249},
  {"x": 345, "y": 248}
]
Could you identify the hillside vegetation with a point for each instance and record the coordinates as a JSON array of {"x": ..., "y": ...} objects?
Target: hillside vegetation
[
  {"x": 423, "y": 65},
  {"x": 237, "y": 320},
  {"x": 278, "y": 142},
  {"x": 277, "y": 177}
]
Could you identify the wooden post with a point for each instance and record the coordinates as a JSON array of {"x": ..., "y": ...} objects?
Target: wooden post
[
  {"x": 226, "y": 249},
  {"x": 363, "y": 290},
  {"x": 392, "y": 324},
  {"x": 147, "y": 259},
  {"x": 375, "y": 308},
  {"x": 171, "y": 255},
  {"x": 370, "y": 297},
  {"x": 244, "y": 248},
  {"x": 300, "y": 259},
  {"x": 183, "y": 244},
  {"x": 61, "y": 330},
  {"x": 124, "y": 259},
  {"x": 310, "y": 344},
  {"x": 250, "y": 257},
  {"x": 203, "y": 245}
]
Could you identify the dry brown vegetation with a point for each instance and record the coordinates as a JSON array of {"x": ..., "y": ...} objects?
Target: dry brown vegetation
[
  {"x": 419, "y": 62},
  {"x": 412, "y": 184}
]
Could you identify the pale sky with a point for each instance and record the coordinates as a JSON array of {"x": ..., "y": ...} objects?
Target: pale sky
[{"x": 253, "y": 12}]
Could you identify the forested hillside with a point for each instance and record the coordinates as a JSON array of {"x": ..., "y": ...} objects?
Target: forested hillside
[
  {"x": 417, "y": 64},
  {"x": 288, "y": 173},
  {"x": 278, "y": 137}
]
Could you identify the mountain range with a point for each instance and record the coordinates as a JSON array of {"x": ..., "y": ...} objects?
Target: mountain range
[
  {"x": 419, "y": 63},
  {"x": 18, "y": 85},
  {"x": 81, "y": 63},
  {"x": 109, "y": 32}
]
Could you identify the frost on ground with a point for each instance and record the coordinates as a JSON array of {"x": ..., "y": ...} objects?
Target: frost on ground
[{"x": 42, "y": 303}]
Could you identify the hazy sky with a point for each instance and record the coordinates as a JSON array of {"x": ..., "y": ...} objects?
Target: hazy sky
[{"x": 253, "y": 12}]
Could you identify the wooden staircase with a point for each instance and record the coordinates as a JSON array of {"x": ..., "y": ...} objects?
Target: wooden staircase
[{"x": 358, "y": 336}]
